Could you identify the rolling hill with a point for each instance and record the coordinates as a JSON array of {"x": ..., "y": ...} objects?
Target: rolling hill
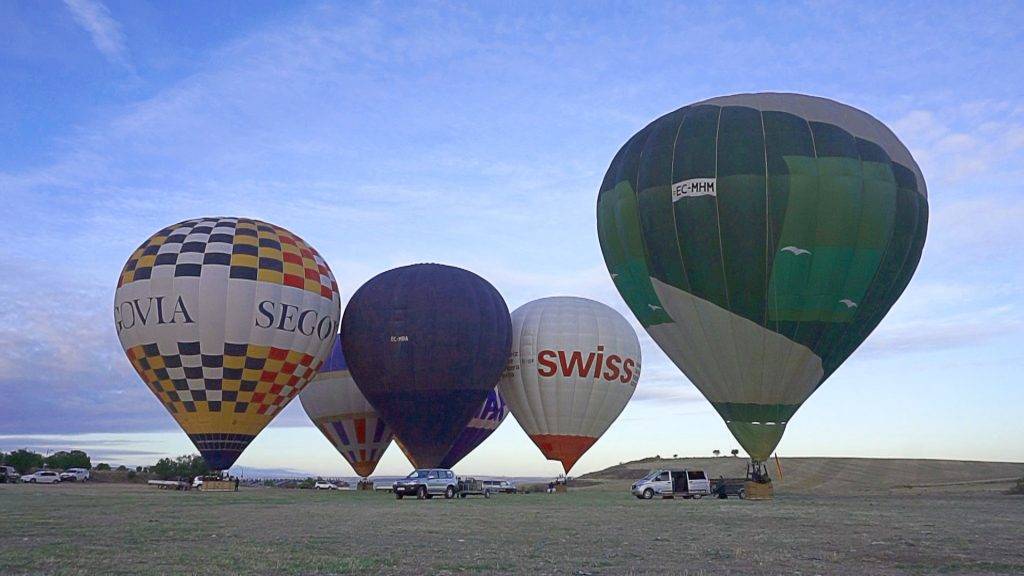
[{"x": 840, "y": 475}]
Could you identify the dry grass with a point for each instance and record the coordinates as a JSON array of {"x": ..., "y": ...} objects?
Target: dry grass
[{"x": 124, "y": 529}]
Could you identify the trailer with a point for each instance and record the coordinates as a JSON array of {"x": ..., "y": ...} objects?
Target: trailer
[
  {"x": 170, "y": 484},
  {"x": 473, "y": 487},
  {"x": 729, "y": 487}
]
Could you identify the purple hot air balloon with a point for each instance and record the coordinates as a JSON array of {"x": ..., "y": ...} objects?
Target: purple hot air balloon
[{"x": 485, "y": 421}]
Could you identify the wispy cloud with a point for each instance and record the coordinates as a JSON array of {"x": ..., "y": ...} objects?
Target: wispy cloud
[
  {"x": 105, "y": 31},
  {"x": 957, "y": 143},
  {"x": 962, "y": 330}
]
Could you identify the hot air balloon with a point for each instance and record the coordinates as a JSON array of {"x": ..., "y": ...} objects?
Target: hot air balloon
[
  {"x": 425, "y": 344},
  {"x": 225, "y": 319},
  {"x": 759, "y": 238},
  {"x": 486, "y": 420},
  {"x": 575, "y": 364},
  {"x": 344, "y": 416}
]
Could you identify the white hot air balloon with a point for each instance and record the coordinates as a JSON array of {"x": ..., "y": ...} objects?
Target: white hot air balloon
[
  {"x": 574, "y": 366},
  {"x": 344, "y": 416}
]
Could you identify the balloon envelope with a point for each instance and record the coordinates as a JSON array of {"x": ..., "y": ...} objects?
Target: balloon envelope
[
  {"x": 759, "y": 238},
  {"x": 575, "y": 364},
  {"x": 485, "y": 421},
  {"x": 425, "y": 344},
  {"x": 225, "y": 319},
  {"x": 344, "y": 416}
]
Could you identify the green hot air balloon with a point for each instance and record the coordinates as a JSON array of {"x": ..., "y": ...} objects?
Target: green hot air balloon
[{"x": 759, "y": 238}]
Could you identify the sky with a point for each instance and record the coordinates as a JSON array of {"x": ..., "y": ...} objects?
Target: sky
[{"x": 477, "y": 135}]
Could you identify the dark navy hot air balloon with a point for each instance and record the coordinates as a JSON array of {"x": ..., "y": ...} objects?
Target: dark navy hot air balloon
[
  {"x": 426, "y": 344},
  {"x": 485, "y": 421}
]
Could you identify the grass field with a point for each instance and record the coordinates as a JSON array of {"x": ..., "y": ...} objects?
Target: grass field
[{"x": 130, "y": 529}]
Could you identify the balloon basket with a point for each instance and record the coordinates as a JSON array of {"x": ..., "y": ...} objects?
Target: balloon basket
[
  {"x": 561, "y": 488},
  {"x": 219, "y": 486},
  {"x": 364, "y": 485},
  {"x": 759, "y": 490}
]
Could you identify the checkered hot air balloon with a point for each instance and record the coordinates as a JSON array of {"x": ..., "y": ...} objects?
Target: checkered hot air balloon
[
  {"x": 226, "y": 320},
  {"x": 344, "y": 416},
  {"x": 760, "y": 238}
]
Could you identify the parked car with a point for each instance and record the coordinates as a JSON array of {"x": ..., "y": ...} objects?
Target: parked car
[
  {"x": 74, "y": 475},
  {"x": 197, "y": 482},
  {"x": 325, "y": 485},
  {"x": 42, "y": 477},
  {"x": 500, "y": 486},
  {"x": 9, "y": 474},
  {"x": 672, "y": 483},
  {"x": 425, "y": 483}
]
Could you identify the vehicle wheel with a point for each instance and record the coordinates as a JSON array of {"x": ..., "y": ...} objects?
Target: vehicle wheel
[
  {"x": 32, "y": 481},
  {"x": 487, "y": 494},
  {"x": 648, "y": 494},
  {"x": 421, "y": 493},
  {"x": 698, "y": 496},
  {"x": 742, "y": 494},
  {"x": 398, "y": 496},
  {"x": 449, "y": 493}
]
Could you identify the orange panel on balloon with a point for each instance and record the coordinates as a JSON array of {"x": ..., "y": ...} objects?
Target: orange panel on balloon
[{"x": 565, "y": 449}]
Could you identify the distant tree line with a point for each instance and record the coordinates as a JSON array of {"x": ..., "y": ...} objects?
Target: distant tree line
[
  {"x": 25, "y": 461},
  {"x": 188, "y": 466}
]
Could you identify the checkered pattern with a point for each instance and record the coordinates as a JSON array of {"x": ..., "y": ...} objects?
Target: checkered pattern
[
  {"x": 231, "y": 443},
  {"x": 251, "y": 249},
  {"x": 245, "y": 379}
]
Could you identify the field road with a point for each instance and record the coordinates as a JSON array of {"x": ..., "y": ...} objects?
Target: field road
[{"x": 131, "y": 529}]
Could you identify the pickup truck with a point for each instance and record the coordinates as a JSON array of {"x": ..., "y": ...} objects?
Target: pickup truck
[
  {"x": 671, "y": 483},
  {"x": 74, "y": 475},
  {"x": 425, "y": 483}
]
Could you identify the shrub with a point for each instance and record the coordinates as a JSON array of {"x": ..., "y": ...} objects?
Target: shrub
[
  {"x": 24, "y": 461},
  {"x": 63, "y": 460},
  {"x": 188, "y": 466}
]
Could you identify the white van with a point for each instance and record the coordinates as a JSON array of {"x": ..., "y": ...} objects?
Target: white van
[{"x": 672, "y": 483}]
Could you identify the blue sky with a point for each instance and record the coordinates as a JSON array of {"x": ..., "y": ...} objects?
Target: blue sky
[{"x": 477, "y": 135}]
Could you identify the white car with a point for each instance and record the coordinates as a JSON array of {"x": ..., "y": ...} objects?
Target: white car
[
  {"x": 324, "y": 485},
  {"x": 42, "y": 477},
  {"x": 74, "y": 475}
]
